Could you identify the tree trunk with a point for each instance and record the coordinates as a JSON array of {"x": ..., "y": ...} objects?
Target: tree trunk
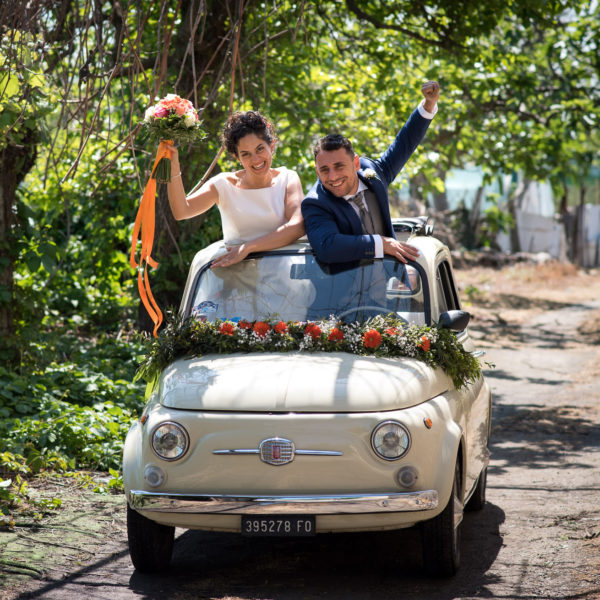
[
  {"x": 475, "y": 216},
  {"x": 514, "y": 203},
  {"x": 579, "y": 235},
  {"x": 569, "y": 223},
  {"x": 15, "y": 162},
  {"x": 440, "y": 200}
]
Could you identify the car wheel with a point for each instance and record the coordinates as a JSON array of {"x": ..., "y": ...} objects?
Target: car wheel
[
  {"x": 441, "y": 535},
  {"x": 150, "y": 544},
  {"x": 477, "y": 500}
]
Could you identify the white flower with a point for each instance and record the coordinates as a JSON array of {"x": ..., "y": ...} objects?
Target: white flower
[
  {"x": 370, "y": 174},
  {"x": 189, "y": 119},
  {"x": 149, "y": 114}
]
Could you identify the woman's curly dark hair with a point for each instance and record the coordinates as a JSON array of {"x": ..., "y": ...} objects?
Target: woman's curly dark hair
[{"x": 241, "y": 124}]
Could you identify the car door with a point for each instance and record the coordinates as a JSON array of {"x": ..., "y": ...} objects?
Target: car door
[{"x": 475, "y": 399}]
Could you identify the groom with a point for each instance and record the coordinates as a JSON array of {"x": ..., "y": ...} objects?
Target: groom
[{"x": 347, "y": 213}]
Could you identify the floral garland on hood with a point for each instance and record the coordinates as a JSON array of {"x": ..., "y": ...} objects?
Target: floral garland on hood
[{"x": 380, "y": 336}]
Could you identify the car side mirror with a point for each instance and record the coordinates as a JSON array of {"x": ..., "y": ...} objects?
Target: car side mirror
[{"x": 455, "y": 320}]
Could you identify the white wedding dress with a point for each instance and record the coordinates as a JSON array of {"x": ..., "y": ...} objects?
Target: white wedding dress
[
  {"x": 247, "y": 214},
  {"x": 237, "y": 292}
]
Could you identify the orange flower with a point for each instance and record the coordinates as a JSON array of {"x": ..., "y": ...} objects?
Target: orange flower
[
  {"x": 280, "y": 327},
  {"x": 181, "y": 109},
  {"x": 391, "y": 331},
  {"x": 261, "y": 328},
  {"x": 424, "y": 344},
  {"x": 371, "y": 338},
  {"x": 244, "y": 325},
  {"x": 313, "y": 330},
  {"x": 336, "y": 335},
  {"x": 226, "y": 328}
]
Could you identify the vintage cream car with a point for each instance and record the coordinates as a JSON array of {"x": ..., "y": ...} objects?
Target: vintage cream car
[{"x": 296, "y": 443}]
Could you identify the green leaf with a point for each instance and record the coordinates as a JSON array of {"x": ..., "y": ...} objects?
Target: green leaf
[
  {"x": 9, "y": 86},
  {"x": 7, "y": 118},
  {"x": 48, "y": 262},
  {"x": 33, "y": 262}
]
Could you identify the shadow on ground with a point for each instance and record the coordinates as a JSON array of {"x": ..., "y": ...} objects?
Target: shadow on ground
[
  {"x": 332, "y": 566},
  {"x": 344, "y": 566},
  {"x": 537, "y": 438},
  {"x": 501, "y": 301}
]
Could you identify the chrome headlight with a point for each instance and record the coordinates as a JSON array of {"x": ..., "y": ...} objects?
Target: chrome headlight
[
  {"x": 390, "y": 440},
  {"x": 170, "y": 441}
]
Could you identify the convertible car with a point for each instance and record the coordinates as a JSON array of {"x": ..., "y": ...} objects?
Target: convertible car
[{"x": 293, "y": 398}]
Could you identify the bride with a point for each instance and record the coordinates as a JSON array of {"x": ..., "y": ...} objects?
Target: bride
[{"x": 259, "y": 204}]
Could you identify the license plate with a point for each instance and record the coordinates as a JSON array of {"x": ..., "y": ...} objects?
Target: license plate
[{"x": 278, "y": 526}]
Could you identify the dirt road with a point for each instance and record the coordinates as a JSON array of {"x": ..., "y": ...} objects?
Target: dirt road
[{"x": 538, "y": 536}]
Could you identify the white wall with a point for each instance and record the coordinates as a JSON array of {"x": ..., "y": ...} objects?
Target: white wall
[
  {"x": 591, "y": 235},
  {"x": 538, "y": 233}
]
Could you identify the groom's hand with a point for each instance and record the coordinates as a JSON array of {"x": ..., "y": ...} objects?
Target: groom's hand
[
  {"x": 399, "y": 250},
  {"x": 431, "y": 91}
]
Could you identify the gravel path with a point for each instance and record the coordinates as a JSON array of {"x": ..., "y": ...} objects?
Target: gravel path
[{"x": 537, "y": 538}]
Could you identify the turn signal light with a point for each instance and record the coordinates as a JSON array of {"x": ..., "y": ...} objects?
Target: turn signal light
[{"x": 407, "y": 476}]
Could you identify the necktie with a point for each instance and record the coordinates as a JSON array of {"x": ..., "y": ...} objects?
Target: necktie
[{"x": 365, "y": 215}]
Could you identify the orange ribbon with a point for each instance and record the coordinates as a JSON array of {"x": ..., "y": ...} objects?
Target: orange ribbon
[{"x": 144, "y": 225}]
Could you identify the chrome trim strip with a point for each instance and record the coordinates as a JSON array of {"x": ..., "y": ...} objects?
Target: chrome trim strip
[
  {"x": 239, "y": 451},
  {"x": 319, "y": 453},
  {"x": 244, "y": 451},
  {"x": 286, "y": 505}
]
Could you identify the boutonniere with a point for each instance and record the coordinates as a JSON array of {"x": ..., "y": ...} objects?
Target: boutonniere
[{"x": 370, "y": 174}]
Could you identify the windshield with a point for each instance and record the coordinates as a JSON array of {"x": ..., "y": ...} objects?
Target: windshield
[{"x": 295, "y": 287}]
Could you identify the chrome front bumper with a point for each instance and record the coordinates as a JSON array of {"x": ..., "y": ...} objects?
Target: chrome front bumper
[{"x": 284, "y": 505}]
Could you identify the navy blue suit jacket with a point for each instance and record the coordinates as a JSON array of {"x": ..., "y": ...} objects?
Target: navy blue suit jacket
[{"x": 333, "y": 228}]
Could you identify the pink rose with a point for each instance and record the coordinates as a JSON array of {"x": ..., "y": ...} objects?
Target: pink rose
[{"x": 160, "y": 112}]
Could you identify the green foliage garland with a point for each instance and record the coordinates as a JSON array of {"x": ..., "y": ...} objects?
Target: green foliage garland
[{"x": 379, "y": 336}]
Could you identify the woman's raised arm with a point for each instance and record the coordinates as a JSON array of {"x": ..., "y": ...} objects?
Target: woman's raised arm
[{"x": 182, "y": 206}]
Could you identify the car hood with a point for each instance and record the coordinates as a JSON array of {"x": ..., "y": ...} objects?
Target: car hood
[{"x": 299, "y": 382}]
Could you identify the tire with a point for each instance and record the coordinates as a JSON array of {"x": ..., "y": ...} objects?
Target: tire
[
  {"x": 441, "y": 535},
  {"x": 477, "y": 500},
  {"x": 150, "y": 544}
]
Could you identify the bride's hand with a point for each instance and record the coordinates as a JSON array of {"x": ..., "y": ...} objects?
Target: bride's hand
[
  {"x": 175, "y": 167},
  {"x": 234, "y": 255}
]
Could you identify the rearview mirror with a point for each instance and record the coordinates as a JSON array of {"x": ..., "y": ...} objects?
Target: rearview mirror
[{"x": 455, "y": 320}]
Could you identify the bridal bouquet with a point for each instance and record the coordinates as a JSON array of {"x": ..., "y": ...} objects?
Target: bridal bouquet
[
  {"x": 175, "y": 119},
  {"x": 172, "y": 120}
]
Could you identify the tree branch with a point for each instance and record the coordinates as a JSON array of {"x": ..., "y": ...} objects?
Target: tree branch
[{"x": 445, "y": 43}]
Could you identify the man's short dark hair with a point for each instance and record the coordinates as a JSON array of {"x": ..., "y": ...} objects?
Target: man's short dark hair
[{"x": 333, "y": 141}]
